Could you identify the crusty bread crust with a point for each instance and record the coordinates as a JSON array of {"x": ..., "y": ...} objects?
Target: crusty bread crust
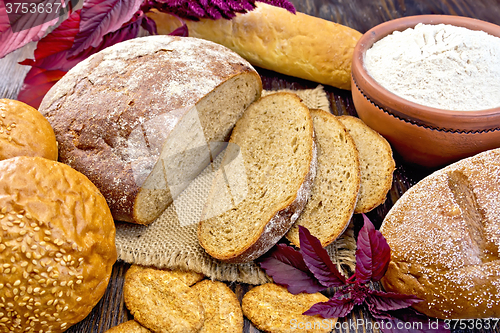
[
  {"x": 113, "y": 112},
  {"x": 444, "y": 234},
  {"x": 280, "y": 220},
  {"x": 273, "y": 38}
]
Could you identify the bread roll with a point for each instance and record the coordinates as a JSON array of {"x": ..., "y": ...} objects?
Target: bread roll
[
  {"x": 275, "y": 141},
  {"x": 57, "y": 245},
  {"x": 25, "y": 132},
  {"x": 137, "y": 118},
  {"x": 273, "y": 38},
  {"x": 444, "y": 233}
]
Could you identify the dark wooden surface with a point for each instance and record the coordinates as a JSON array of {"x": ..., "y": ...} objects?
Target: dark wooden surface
[{"x": 358, "y": 14}]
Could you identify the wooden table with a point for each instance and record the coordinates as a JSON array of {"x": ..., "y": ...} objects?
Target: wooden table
[{"x": 358, "y": 14}]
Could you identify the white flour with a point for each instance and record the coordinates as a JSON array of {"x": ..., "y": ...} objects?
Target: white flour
[{"x": 441, "y": 66}]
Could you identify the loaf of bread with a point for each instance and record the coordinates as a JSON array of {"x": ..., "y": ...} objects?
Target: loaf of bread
[
  {"x": 444, "y": 233},
  {"x": 376, "y": 164},
  {"x": 57, "y": 245},
  {"x": 275, "y": 138},
  {"x": 335, "y": 189},
  {"x": 273, "y": 38},
  {"x": 25, "y": 132},
  {"x": 137, "y": 118}
]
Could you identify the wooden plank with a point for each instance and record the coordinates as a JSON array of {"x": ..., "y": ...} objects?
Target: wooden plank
[{"x": 358, "y": 14}]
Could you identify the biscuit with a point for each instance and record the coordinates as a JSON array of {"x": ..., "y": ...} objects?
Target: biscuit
[
  {"x": 222, "y": 309},
  {"x": 163, "y": 303},
  {"x": 271, "y": 308},
  {"x": 188, "y": 277},
  {"x": 130, "y": 326},
  {"x": 25, "y": 132}
]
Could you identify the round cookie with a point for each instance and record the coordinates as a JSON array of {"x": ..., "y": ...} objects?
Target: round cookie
[
  {"x": 130, "y": 326},
  {"x": 163, "y": 303},
  {"x": 271, "y": 308},
  {"x": 25, "y": 132},
  {"x": 188, "y": 277},
  {"x": 57, "y": 245},
  {"x": 222, "y": 309},
  {"x": 444, "y": 235}
]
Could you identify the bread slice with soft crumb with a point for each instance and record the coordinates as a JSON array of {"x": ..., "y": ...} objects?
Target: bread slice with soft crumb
[
  {"x": 376, "y": 162},
  {"x": 276, "y": 141},
  {"x": 335, "y": 188}
]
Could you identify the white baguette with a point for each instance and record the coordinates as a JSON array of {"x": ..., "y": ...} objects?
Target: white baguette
[{"x": 273, "y": 38}]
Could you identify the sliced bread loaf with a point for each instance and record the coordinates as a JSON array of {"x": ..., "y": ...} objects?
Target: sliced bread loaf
[
  {"x": 335, "y": 188},
  {"x": 376, "y": 164},
  {"x": 275, "y": 137},
  {"x": 137, "y": 117}
]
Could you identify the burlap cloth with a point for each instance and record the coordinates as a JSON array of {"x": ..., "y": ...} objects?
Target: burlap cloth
[{"x": 170, "y": 242}]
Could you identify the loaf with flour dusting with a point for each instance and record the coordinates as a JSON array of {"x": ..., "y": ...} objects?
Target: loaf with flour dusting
[
  {"x": 137, "y": 118},
  {"x": 276, "y": 141},
  {"x": 444, "y": 234}
]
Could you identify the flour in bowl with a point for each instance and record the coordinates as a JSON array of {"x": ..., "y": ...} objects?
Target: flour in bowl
[{"x": 441, "y": 66}]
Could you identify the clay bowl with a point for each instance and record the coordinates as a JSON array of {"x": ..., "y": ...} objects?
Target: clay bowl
[{"x": 422, "y": 135}]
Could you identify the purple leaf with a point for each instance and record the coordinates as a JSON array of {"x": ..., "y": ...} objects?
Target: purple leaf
[
  {"x": 410, "y": 321},
  {"x": 381, "y": 301},
  {"x": 286, "y": 266},
  {"x": 100, "y": 17},
  {"x": 149, "y": 25},
  {"x": 11, "y": 41},
  {"x": 318, "y": 261},
  {"x": 36, "y": 84},
  {"x": 181, "y": 31},
  {"x": 4, "y": 18},
  {"x": 52, "y": 58},
  {"x": 338, "y": 306},
  {"x": 280, "y": 3},
  {"x": 372, "y": 255}
]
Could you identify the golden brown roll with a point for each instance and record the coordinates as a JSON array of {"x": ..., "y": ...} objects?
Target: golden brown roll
[
  {"x": 444, "y": 235},
  {"x": 57, "y": 245},
  {"x": 25, "y": 132}
]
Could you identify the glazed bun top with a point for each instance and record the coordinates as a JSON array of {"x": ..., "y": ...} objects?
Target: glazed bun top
[
  {"x": 25, "y": 132},
  {"x": 57, "y": 245}
]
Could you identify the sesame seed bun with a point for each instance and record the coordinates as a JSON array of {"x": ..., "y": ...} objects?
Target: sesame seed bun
[
  {"x": 57, "y": 245},
  {"x": 25, "y": 132}
]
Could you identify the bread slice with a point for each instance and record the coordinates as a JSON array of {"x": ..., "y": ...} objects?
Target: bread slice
[
  {"x": 376, "y": 163},
  {"x": 335, "y": 188},
  {"x": 275, "y": 138}
]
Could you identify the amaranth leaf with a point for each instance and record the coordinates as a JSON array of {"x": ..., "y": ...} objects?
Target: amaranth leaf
[
  {"x": 318, "y": 261},
  {"x": 100, "y": 17},
  {"x": 381, "y": 301},
  {"x": 372, "y": 254},
  {"x": 340, "y": 305},
  {"x": 286, "y": 266}
]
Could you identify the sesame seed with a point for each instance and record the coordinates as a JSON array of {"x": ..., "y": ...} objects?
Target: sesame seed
[
  {"x": 78, "y": 299},
  {"x": 17, "y": 283}
]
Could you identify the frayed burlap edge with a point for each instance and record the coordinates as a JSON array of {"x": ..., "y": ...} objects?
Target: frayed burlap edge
[{"x": 167, "y": 244}]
